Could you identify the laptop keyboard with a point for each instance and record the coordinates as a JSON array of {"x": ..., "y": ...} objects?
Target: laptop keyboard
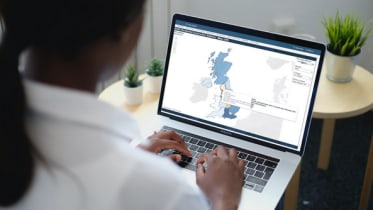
[{"x": 258, "y": 167}]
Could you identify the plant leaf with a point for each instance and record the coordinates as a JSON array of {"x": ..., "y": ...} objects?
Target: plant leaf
[{"x": 346, "y": 35}]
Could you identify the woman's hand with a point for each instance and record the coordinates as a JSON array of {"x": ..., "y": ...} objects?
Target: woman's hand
[
  {"x": 162, "y": 140},
  {"x": 221, "y": 180}
]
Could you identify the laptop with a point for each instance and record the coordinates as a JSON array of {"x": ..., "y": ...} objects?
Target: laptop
[{"x": 243, "y": 88}]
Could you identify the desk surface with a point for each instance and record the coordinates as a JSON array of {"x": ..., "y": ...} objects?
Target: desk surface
[
  {"x": 341, "y": 100},
  {"x": 144, "y": 113}
]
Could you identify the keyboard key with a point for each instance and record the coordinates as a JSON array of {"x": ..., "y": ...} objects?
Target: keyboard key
[
  {"x": 259, "y": 160},
  {"x": 193, "y": 147},
  {"x": 201, "y": 143},
  {"x": 186, "y": 138},
  {"x": 270, "y": 164},
  {"x": 259, "y": 188},
  {"x": 249, "y": 185},
  {"x": 269, "y": 170},
  {"x": 201, "y": 150},
  {"x": 268, "y": 173},
  {"x": 251, "y": 165},
  {"x": 193, "y": 141},
  {"x": 249, "y": 171},
  {"x": 250, "y": 158},
  {"x": 256, "y": 180},
  {"x": 210, "y": 145},
  {"x": 259, "y": 174},
  {"x": 242, "y": 155},
  {"x": 260, "y": 167}
]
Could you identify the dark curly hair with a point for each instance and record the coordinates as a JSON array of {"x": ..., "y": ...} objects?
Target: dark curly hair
[{"x": 62, "y": 27}]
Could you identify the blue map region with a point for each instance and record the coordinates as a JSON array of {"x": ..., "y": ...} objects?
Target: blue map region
[
  {"x": 219, "y": 72},
  {"x": 230, "y": 112},
  {"x": 220, "y": 68}
]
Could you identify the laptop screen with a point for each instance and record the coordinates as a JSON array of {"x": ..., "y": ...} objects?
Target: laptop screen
[{"x": 247, "y": 83}]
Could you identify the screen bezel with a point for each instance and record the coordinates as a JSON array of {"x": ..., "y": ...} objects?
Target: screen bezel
[{"x": 252, "y": 32}]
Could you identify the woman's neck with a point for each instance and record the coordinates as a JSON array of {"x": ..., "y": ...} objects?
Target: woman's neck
[{"x": 53, "y": 70}]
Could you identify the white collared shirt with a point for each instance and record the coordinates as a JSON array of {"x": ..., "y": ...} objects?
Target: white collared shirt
[{"x": 90, "y": 164}]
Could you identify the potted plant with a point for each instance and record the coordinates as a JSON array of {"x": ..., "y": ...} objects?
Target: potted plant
[
  {"x": 133, "y": 88},
  {"x": 155, "y": 75},
  {"x": 346, "y": 36}
]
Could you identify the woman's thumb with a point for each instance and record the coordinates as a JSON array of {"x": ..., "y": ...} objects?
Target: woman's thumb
[{"x": 200, "y": 172}]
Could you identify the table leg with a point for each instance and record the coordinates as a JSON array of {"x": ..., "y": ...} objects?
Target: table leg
[
  {"x": 326, "y": 143},
  {"x": 368, "y": 179},
  {"x": 291, "y": 193}
]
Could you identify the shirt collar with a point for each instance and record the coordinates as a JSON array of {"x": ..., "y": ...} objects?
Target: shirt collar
[{"x": 79, "y": 107}]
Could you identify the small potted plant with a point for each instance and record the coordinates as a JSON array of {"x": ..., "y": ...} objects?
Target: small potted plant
[
  {"x": 155, "y": 75},
  {"x": 133, "y": 88},
  {"x": 346, "y": 36}
]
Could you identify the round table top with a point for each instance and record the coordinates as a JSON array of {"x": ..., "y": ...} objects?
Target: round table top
[
  {"x": 342, "y": 100},
  {"x": 144, "y": 113}
]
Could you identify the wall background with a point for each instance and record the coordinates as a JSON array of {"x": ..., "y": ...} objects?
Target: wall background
[{"x": 305, "y": 15}]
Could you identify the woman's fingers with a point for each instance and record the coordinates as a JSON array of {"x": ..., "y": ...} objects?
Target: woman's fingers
[
  {"x": 200, "y": 172},
  {"x": 163, "y": 140},
  {"x": 171, "y": 135},
  {"x": 233, "y": 153},
  {"x": 175, "y": 157},
  {"x": 203, "y": 158},
  {"x": 163, "y": 144},
  {"x": 224, "y": 173},
  {"x": 221, "y": 152},
  {"x": 200, "y": 169}
]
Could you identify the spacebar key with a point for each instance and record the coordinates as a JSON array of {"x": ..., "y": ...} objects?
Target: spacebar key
[{"x": 256, "y": 180}]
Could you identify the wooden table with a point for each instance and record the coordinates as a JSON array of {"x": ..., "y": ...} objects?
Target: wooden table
[
  {"x": 144, "y": 113},
  {"x": 340, "y": 100},
  {"x": 368, "y": 180}
]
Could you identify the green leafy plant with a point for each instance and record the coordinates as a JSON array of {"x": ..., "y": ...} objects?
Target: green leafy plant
[
  {"x": 346, "y": 35},
  {"x": 132, "y": 77},
  {"x": 155, "y": 68}
]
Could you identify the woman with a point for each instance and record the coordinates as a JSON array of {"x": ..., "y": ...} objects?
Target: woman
[{"x": 60, "y": 148}]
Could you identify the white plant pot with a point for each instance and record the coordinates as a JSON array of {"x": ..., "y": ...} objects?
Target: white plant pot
[
  {"x": 340, "y": 68},
  {"x": 133, "y": 95},
  {"x": 154, "y": 84}
]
